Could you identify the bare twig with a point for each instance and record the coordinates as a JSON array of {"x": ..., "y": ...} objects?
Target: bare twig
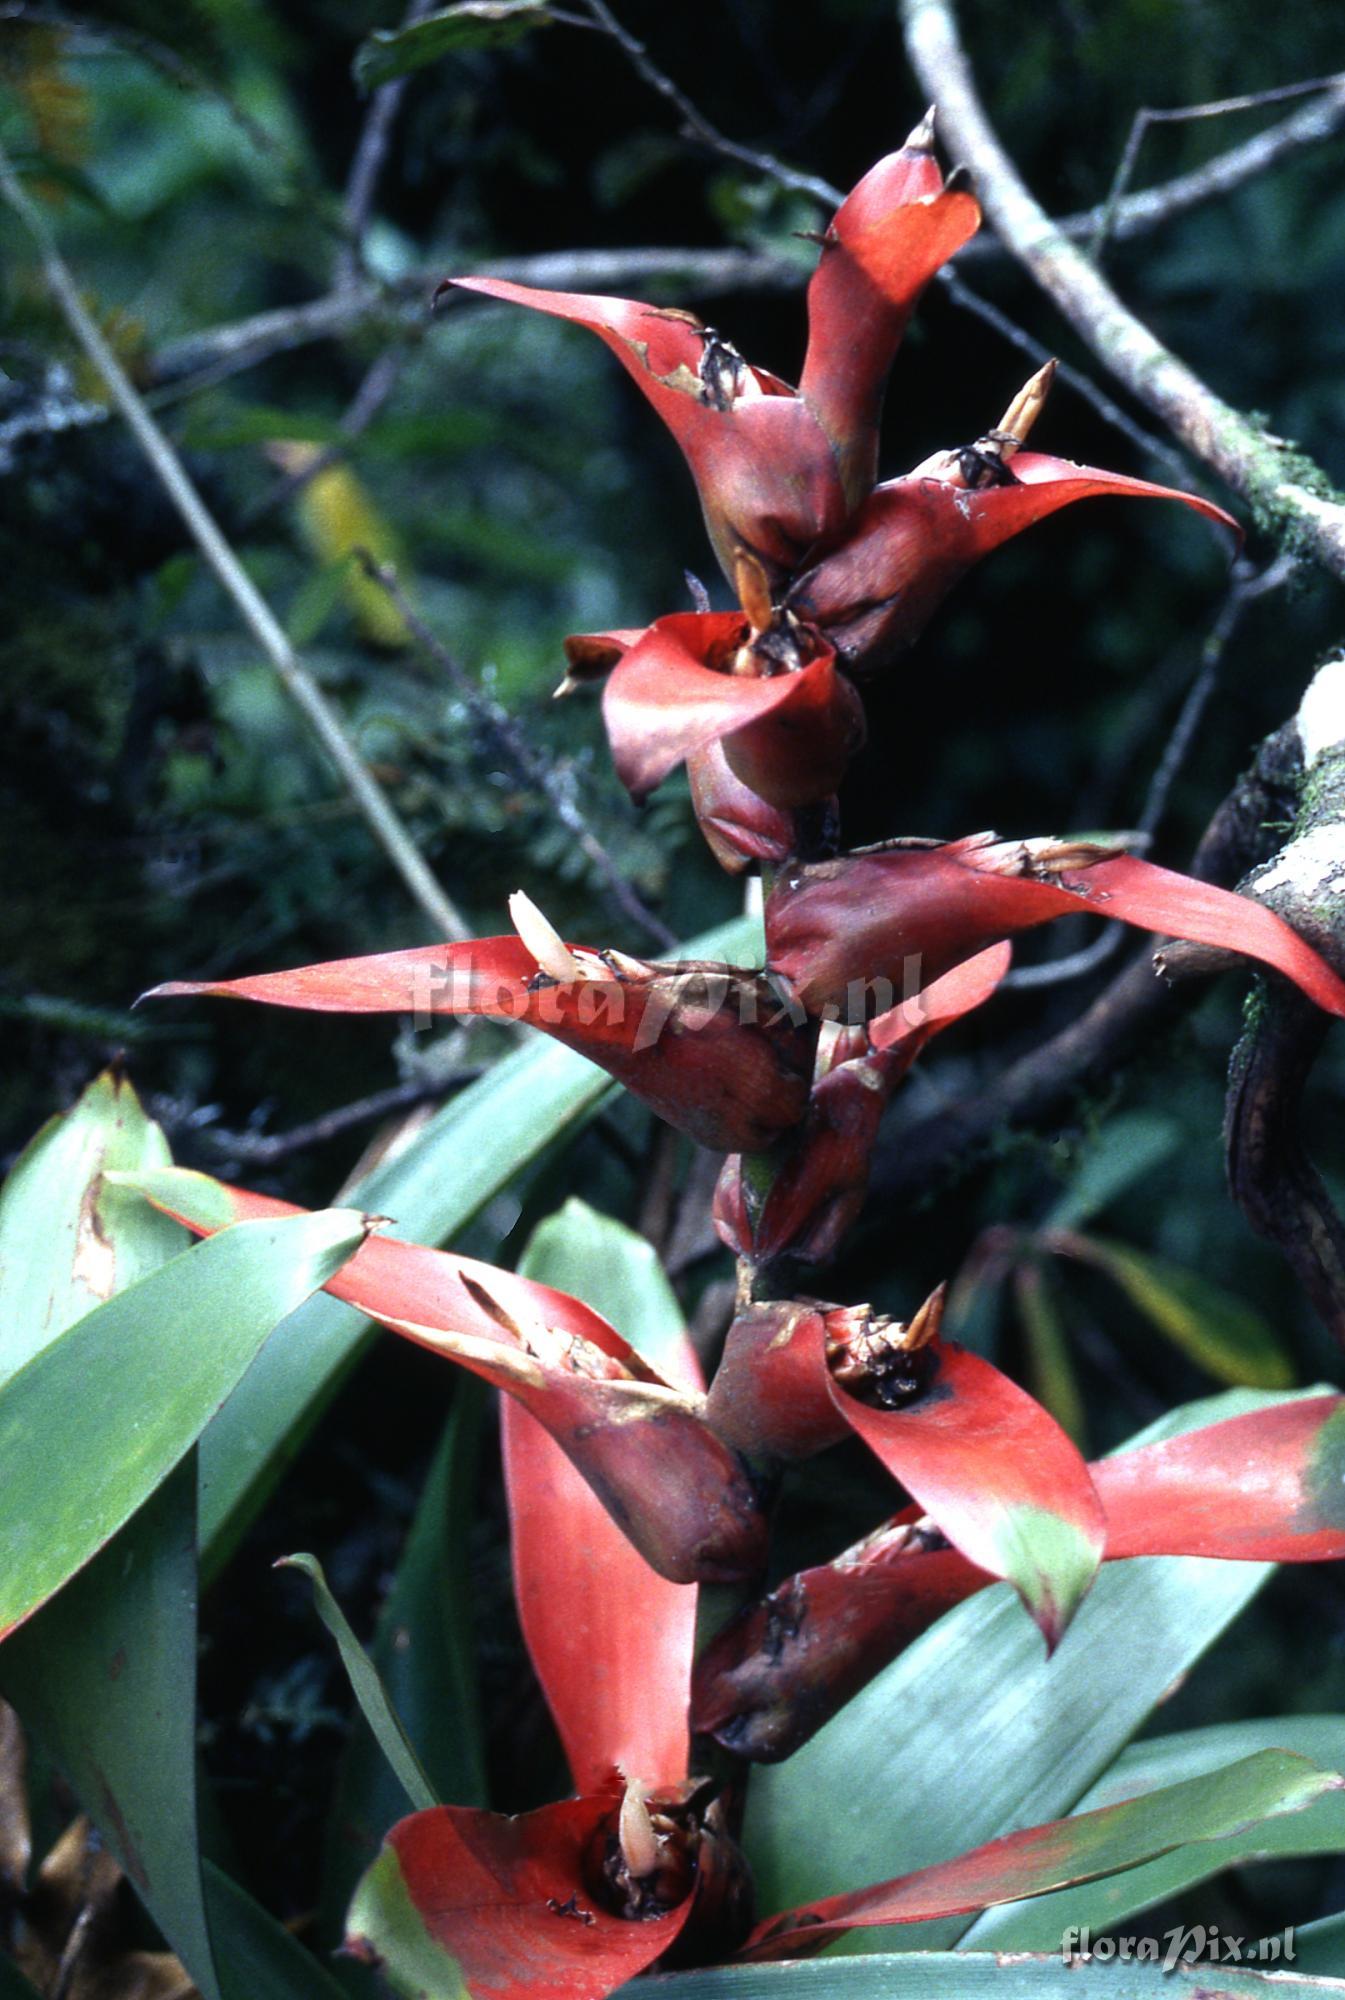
[
  {"x": 224, "y": 350},
  {"x": 533, "y": 769},
  {"x": 1248, "y": 585},
  {"x": 1083, "y": 385},
  {"x": 245, "y": 343},
  {"x": 382, "y": 820},
  {"x": 695, "y": 125},
  {"x": 367, "y": 165},
  {"x": 1332, "y": 87},
  {"x": 264, "y": 1149},
  {"x": 1287, "y": 490}
]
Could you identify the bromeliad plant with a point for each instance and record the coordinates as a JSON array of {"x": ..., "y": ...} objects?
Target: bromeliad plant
[{"x": 636, "y": 1492}]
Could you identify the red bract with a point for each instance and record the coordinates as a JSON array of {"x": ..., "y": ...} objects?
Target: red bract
[
  {"x": 818, "y": 1190},
  {"x": 779, "y": 469},
  {"x": 706, "y": 1046},
  {"x": 1264, "y": 1487},
  {"x": 991, "y": 1468},
  {"x": 568, "y": 1902},
  {"x": 739, "y": 827},
  {"x": 887, "y": 239},
  {"x": 788, "y": 729},
  {"x": 848, "y": 934},
  {"x": 611, "y": 1639},
  {"x": 505, "y": 1904},
  {"x": 762, "y": 462},
  {"x": 675, "y": 1489},
  {"x": 913, "y": 538}
]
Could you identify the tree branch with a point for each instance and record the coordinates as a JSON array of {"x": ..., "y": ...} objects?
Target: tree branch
[
  {"x": 367, "y": 164},
  {"x": 1271, "y": 1176},
  {"x": 382, "y": 820},
  {"x": 1287, "y": 491},
  {"x": 246, "y": 342},
  {"x": 1330, "y": 88}
]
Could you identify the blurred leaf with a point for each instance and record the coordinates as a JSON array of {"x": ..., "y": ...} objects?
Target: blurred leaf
[
  {"x": 1050, "y": 1365},
  {"x": 424, "y": 1656},
  {"x": 1218, "y": 1331},
  {"x": 104, "y": 1676},
  {"x": 985, "y": 1731},
  {"x": 472, "y": 24},
  {"x": 340, "y": 524},
  {"x": 366, "y": 1686},
  {"x": 125, "y": 1393},
  {"x": 1167, "y": 1760},
  {"x": 465, "y": 1155},
  {"x": 1123, "y": 1153}
]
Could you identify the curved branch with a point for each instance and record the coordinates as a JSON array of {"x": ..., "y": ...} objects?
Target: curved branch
[
  {"x": 1288, "y": 492},
  {"x": 1272, "y": 1178}
]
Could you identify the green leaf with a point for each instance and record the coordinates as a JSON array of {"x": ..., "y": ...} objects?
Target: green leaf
[
  {"x": 368, "y": 1690},
  {"x": 1217, "y": 1330},
  {"x": 67, "y": 1241},
  {"x": 424, "y": 1655},
  {"x": 458, "y": 1163},
  {"x": 1126, "y": 1150},
  {"x": 258, "y": 1958},
  {"x": 612, "y": 1269},
  {"x": 118, "y": 1400},
  {"x": 1319, "y": 1949},
  {"x": 955, "y": 1975},
  {"x": 1167, "y": 1760},
  {"x": 1217, "y": 1806},
  {"x": 987, "y": 1733},
  {"x": 473, "y": 24},
  {"x": 104, "y": 1676}
]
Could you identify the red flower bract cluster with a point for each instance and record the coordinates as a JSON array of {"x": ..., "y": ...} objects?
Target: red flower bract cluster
[
  {"x": 629, "y": 1487},
  {"x": 836, "y": 575}
]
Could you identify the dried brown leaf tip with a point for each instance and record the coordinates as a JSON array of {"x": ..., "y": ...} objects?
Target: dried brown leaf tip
[{"x": 882, "y": 1360}]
